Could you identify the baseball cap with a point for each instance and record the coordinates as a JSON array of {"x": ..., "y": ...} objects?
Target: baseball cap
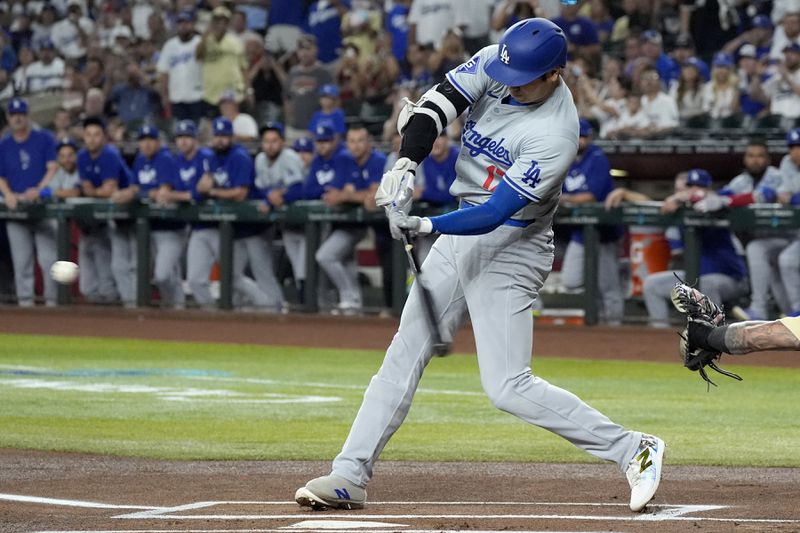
[
  {"x": 273, "y": 125},
  {"x": 47, "y": 44},
  {"x": 324, "y": 132},
  {"x": 329, "y": 90},
  {"x": 303, "y": 144},
  {"x": 66, "y": 141},
  {"x": 748, "y": 50},
  {"x": 793, "y": 137},
  {"x": 221, "y": 12},
  {"x": 148, "y": 131},
  {"x": 121, "y": 31},
  {"x": 18, "y": 106},
  {"x": 185, "y": 16},
  {"x": 699, "y": 177},
  {"x": 585, "y": 128},
  {"x": 651, "y": 36},
  {"x": 792, "y": 47},
  {"x": 722, "y": 59},
  {"x": 222, "y": 127},
  {"x": 761, "y": 21},
  {"x": 186, "y": 128}
]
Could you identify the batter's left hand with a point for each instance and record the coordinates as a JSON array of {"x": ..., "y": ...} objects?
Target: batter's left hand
[{"x": 399, "y": 222}]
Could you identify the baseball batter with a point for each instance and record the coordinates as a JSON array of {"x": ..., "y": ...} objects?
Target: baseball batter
[{"x": 491, "y": 260}]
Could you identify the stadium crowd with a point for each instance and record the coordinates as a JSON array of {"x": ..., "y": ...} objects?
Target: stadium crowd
[{"x": 314, "y": 88}]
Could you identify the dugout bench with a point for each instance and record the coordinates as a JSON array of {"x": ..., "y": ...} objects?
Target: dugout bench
[{"x": 313, "y": 215}]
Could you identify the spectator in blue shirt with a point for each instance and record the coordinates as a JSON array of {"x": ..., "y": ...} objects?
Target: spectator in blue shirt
[
  {"x": 652, "y": 49},
  {"x": 27, "y": 164},
  {"x": 155, "y": 173},
  {"x": 581, "y": 34},
  {"x": 135, "y": 102},
  {"x": 588, "y": 181},
  {"x": 397, "y": 27},
  {"x": 103, "y": 172},
  {"x": 286, "y": 22},
  {"x": 330, "y": 113},
  {"x": 325, "y": 23}
]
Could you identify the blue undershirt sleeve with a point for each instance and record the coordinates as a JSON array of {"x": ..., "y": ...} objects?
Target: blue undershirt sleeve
[{"x": 483, "y": 218}]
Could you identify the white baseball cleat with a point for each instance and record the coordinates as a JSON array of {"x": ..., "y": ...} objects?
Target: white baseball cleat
[
  {"x": 331, "y": 492},
  {"x": 644, "y": 471}
]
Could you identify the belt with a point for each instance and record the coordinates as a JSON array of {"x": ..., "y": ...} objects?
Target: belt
[{"x": 510, "y": 222}]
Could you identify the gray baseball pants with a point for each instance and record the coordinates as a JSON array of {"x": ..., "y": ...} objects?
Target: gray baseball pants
[
  {"x": 25, "y": 239},
  {"x": 201, "y": 254},
  {"x": 94, "y": 255},
  {"x": 765, "y": 275},
  {"x": 123, "y": 261},
  {"x": 167, "y": 250},
  {"x": 336, "y": 256},
  {"x": 658, "y": 287},
  {"x": 264, "y": 292},
  {"x": 608, "y": 279},
  {"x": 494, "y": 278},
  {"x": 294, "y": 242},
  {"x": 789, "y": 264}
]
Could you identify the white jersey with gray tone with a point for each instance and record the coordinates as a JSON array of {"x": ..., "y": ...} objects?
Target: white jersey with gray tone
[
  {"x": 65, "y": 180},
  {"x": 284, "y": 171},
  {"x": 745, "y": 182},
  {"x": 791, "y": 176},
  {"x": 529, "y": 146}
]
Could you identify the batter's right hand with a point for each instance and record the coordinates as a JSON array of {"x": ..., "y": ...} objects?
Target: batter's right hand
[{"x": 397, "y": 186}]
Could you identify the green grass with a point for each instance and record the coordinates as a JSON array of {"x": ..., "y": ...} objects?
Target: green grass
[{"x": 748, "y": 423}]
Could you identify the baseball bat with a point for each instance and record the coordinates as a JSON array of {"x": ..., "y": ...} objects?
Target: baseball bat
[{"x": 438, "y": 346}]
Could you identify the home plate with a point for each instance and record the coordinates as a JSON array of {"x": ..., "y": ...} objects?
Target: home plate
[{"x": 340, "y": 524}]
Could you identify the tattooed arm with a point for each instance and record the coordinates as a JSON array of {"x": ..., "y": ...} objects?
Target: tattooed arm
[{"x": 758, "y": 336}]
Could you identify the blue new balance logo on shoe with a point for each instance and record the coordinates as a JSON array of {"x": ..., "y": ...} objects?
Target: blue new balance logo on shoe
[{"x": 342, "y": 494}]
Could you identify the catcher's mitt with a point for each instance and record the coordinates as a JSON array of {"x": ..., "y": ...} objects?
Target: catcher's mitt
[{"x": 702, "y": 316}]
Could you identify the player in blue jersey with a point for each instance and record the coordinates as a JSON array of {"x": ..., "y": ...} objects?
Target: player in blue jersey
[
  {"x": 589, "y": 180},
  {"x": 154, "y": 174},
  {"x": 229, "y": 178},
  {"x": 493, "y": 256},
  {"x": 356, "y": 180},
  {"x": 103, "y": 172},
  {"x": 27, "y": 163}
]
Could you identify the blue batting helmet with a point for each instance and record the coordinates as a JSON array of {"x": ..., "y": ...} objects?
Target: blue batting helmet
[{"x": 528, "y": 50}]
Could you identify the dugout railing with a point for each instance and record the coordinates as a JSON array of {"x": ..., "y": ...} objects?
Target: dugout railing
[{"x": 312, "y": 216}]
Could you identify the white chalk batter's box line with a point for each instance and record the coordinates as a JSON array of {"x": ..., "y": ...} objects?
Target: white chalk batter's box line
[{"x": 660, "y": 512}]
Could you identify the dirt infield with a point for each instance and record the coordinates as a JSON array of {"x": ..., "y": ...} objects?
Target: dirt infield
[{"x": 42, "y": 491}]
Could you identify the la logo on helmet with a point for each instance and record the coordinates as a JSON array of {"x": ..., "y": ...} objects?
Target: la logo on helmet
[{"x": 504, "y": 55}]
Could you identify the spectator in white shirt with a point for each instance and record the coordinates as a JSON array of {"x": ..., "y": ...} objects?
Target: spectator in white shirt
[
  {"x": 721, "y": 93},
  {"x": 429, "y": 21},
  {"x": 782, "y": 90},
  {"x": 630, "y": 123},
  {"x": 244, "y": 126},
  {"x": 47, "y": 73},
  {"x": 71, "y": 34},
  {"x": 787, "y": 33},
  {"x": 688, "y": 91},
  {"x": 181, "y": 76},
  {"x": 660, "y": 109},
  {"x": 20, "y": 78},
  {"x": 43, "y": 25}
]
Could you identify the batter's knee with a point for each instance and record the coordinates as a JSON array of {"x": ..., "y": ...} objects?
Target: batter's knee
[{"x": 504, "y": 395}]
